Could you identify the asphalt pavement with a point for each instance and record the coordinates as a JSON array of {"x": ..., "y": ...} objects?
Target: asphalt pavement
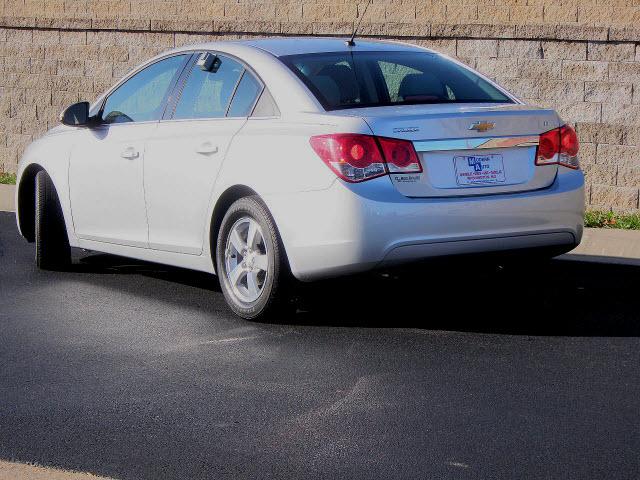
[{"x": 448, "y": 370}]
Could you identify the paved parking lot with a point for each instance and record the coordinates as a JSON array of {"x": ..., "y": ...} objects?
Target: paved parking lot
[{"x": 138, "y": 371}]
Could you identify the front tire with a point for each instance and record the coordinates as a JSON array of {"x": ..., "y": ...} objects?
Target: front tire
[
  {"x": 52, "y": 243},
  {"x": 251, "y": 262}
]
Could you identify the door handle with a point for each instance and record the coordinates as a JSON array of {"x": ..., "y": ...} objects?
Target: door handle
[
  {"x": 207, "y": 148},
  {"x": 130, "y": 153}
]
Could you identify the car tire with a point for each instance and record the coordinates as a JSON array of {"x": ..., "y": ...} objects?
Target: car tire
[
  {"x": 52, "y": 243},
  {"x": 255, "y": 282}
]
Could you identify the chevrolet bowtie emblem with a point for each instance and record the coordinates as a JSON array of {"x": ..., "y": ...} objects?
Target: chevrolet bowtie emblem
[{"x": 482, "y": 126}]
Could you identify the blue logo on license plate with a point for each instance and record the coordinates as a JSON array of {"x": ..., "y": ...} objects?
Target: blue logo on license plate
[{"x": 476, "y": 163}]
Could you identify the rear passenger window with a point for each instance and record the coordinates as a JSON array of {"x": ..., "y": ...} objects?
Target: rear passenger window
[
  {"x": 207, "y": 94},
  {"x": 266, "y": 106},
  {"x": 245, "y": 96}
]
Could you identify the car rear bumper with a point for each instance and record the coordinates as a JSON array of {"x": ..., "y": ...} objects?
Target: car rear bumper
[{"x": 353, "y": 228}]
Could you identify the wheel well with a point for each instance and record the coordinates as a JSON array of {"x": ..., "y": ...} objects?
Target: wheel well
[
  {"x": 27, "y": 202},
  {"x": 224, "y": 202}
]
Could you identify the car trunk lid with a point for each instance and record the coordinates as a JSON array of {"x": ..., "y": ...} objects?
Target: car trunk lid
[{"x": 466, "y": 150}]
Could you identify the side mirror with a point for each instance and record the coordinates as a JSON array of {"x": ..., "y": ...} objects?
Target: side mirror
[{"x": 76, "y": 115}]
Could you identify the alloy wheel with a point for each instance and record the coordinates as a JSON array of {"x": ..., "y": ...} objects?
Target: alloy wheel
[{"x": 246, "y": 259}]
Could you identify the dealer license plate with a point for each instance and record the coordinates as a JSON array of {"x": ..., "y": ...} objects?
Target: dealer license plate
[{"x": 479, "y": 169}]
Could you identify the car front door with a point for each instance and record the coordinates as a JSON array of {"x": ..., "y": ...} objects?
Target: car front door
[
  {"x": 106, "y": 163},
  {"x": 184, "y": 156}
]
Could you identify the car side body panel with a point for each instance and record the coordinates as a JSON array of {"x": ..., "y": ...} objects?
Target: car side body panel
[
  {"x": 182, "y": 162},
  {"x": 106, "y": 165}
]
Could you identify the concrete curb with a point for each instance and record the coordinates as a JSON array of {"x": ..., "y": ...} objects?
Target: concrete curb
[
  {"x": 22, "y": 471},
  {"x": 604, "y": 245},
  {"x": 7, "y": 198}
]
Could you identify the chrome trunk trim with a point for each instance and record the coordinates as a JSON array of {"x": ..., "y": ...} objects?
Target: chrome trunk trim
[{"x": 476, "y": 143}]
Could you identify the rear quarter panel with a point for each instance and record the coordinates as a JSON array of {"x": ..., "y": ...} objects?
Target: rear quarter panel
[{"x": 273, "y": 157}]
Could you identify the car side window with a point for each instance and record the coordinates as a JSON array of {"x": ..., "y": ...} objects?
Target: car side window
[
  {"x": 206, "y": 94},
  {"x": 266, "y": 106},
  {"x": 245, "y": 97},
  {"x": 142, "y": 97}
]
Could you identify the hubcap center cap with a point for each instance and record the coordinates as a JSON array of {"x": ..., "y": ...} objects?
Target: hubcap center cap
[{"x": 250, "y": 259}]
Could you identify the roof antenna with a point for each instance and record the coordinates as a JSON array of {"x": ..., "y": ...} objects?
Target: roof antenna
[{"x": 350, "y": 42}]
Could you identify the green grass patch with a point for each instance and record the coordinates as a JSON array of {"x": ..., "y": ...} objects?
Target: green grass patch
[
  {"x": 596, "y": 219},
  {"x": 7, "y": 178}
]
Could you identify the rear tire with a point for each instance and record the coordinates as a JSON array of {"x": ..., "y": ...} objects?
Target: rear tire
[
  {"x": 251, "y": 262},
  {"x": 52, "y": 243}
]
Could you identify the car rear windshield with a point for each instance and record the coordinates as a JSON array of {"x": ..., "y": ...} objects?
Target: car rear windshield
[{"x": 370, "y": 79}]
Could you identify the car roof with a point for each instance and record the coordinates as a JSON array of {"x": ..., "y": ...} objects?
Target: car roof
[{"x": 281, "y": 46}]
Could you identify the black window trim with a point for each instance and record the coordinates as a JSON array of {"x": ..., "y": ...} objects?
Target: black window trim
[
  {"x": 233, "y": 93},
  {"x": 188, "y": 57},
  {"x": 176, "y": 92}
]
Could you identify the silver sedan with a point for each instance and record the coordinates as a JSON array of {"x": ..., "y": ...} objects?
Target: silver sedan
[{"x": 266, "y": 161}]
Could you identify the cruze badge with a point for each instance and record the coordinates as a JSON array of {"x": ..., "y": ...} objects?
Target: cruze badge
[
  {"x": 482, "y": 126},
  {"x": 405, "y": 129}
]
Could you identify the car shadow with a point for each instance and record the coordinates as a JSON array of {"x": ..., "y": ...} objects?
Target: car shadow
[
  {"x": 102, "y": 263},
  {"x": 553, "y": 298}
]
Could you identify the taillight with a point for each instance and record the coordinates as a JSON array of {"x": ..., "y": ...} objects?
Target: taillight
[
  {"x": 355, "y": 157},
  {"x": 569, "y": 144},
  {"x": 400, "y": 155},
  {"x": 559, "y": 147},
  {"x": 548, "y": 148}
]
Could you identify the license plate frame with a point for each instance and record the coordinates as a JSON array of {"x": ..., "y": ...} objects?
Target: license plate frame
[{"x": 479, "y": 170}]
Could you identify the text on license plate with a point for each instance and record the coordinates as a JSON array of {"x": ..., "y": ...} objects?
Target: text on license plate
[{"x": 479, "y": 169}]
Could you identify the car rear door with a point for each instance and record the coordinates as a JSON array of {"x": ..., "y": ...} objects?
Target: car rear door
[
  {"x": 187, "y": 150},
  {"x": 106, "y": 162}
]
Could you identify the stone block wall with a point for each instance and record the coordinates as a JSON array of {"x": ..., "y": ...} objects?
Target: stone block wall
[{"x": 580, "y": 57}]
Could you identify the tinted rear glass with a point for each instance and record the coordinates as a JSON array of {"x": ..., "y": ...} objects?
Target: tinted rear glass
[{"x": 369, "y": 79}]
